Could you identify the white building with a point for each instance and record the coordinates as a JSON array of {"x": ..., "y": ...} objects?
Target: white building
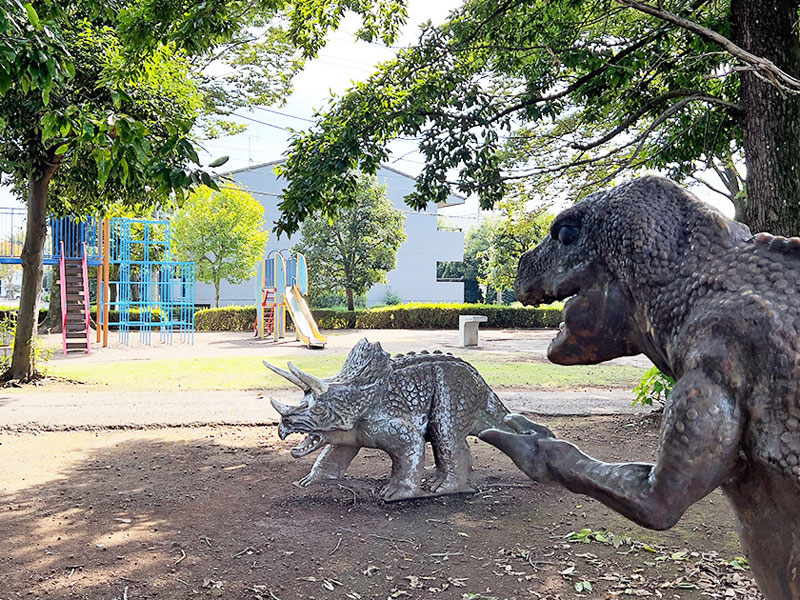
[{"x": 414, "y": 277}]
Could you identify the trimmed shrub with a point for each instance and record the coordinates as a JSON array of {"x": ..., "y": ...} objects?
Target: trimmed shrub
[
  {"x": 226, "y": 318},
  {"x": 11, "y": 312},
  {"x": 403, "y": 316}
]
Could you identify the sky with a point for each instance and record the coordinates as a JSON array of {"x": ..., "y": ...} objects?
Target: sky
[{"x": 342, "y": 61}]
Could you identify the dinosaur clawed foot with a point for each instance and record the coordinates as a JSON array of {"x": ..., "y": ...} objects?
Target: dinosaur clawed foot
[
  {"x": 395, "y": 491},
  {"x": 444, "y": 483},
  {"x": 316, "y": 477}
]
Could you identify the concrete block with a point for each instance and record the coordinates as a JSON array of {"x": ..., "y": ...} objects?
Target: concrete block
[{"x": 468, "y": 329}]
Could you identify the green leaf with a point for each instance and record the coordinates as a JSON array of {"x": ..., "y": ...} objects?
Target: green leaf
[
  {"x": 33, "y": 16},
  {"x": 207, "y": 180},
  {"x": 219, "y": 161},
  {"x": 62, "y": 149}
]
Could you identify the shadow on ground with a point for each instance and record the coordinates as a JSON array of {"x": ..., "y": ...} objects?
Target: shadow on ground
[{"x": 211, "y": 512}]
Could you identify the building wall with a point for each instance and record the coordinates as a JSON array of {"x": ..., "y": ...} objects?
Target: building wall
[{"x": 413, "y": 279}]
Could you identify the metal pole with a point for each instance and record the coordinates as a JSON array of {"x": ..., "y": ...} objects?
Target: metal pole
[{"x": 107, "y": 292}]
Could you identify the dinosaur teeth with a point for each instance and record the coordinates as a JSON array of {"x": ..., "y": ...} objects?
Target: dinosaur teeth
[{"x": 312, "y": 442}]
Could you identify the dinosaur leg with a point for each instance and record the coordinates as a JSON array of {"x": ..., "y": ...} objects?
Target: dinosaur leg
[
  {"x": 699, "y": 444},
  {"x": 406, "y": 447},
  {"x": 448, "y": 437},
  {"x": 453, "y": 466},
  {"x": 331, "y": 463}
]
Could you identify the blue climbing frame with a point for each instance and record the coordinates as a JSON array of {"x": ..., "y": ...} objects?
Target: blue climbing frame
[{"x": 152, "y": 290}]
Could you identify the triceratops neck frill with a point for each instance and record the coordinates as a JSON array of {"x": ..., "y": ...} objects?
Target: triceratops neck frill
[{"x": 365, "y": 364}]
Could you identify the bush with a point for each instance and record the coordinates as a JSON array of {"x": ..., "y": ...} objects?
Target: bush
[
  {"x": 654, "y": 386},
  {"x": 403, "y": 316},
  {"x": 11, "y": 312},
  {"x": 226, "y": 318}
]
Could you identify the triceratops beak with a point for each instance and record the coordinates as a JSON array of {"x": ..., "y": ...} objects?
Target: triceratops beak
[
  {"x": 289, "y": 376},
  {"x": 284, "y": 410},
  {"x": 317, "y": 385}
]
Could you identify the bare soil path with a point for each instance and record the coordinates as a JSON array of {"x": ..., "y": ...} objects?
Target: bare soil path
[
  {"x": 211, "y": 512},
  {"x": 132, "y": 496}
]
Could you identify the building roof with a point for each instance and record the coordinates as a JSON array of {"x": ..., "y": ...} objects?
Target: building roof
[{"x": 272, "y": 163}]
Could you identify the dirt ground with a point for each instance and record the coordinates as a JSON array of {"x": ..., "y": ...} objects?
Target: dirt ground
[{"x": 211, "y": 513}]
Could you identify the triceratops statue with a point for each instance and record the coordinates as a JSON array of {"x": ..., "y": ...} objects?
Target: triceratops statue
[{"x": 395, "y": 404}]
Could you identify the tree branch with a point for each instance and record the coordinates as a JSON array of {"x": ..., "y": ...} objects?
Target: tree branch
[
  {"x": 635, "y": 116},
  {"x": 761, "y": 67},
  {"x": 581, "y": 80}
]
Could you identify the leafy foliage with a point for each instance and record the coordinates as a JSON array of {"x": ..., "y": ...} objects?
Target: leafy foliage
[
  {"x": 515, "y": 232},
  {"x": 356, "y": 248},
  {"x": 40, "y": 352},
  {"x": 99, "y": 98},
  {"x": 222, "y": 233},
  {"x": 553, "y": 97},
  {"x": 655, "y": 386}
]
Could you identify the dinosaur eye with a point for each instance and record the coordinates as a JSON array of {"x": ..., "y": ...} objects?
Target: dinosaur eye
[
  {"x": 568, "y": 233},
  {"x": 317, "y": 409}
]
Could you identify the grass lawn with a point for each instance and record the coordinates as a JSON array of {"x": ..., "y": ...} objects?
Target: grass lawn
[{"x": 247, "y": 373}]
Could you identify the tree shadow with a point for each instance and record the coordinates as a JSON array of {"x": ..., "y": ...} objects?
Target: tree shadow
[{"x": 212, "y": 512}]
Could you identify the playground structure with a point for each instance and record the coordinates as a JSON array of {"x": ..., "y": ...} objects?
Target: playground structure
[
  {"x": 145, "y": 286},
  {"x": 281, "y": 284}
]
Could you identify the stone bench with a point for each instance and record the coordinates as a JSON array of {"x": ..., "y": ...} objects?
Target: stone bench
[{"x": 468, "y": 329}]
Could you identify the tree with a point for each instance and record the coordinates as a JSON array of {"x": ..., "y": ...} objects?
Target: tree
[
  {"x": 98, "y": 99},
  {"x": 568, "y": 95},
  {"x": 356, "y": 248},
  {"x": 514, "y": 232},
  {"x": 222, "y": 233}
]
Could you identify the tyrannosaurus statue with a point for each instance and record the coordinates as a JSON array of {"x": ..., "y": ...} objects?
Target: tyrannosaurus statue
[
  {"x": 652, "y": 269},
  {"x": 395, "y": 404}
]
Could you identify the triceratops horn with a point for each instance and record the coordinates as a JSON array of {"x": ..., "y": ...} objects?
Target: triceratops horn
[
  {"x": 298, "y": 382},
  {"x": 283, "y": 409},
  {"x": 317, "y": 385}
]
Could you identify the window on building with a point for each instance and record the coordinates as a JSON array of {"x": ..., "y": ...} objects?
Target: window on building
[{"x": 450, "y": 271}]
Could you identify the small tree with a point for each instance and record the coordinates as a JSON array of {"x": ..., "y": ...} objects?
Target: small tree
[
  {"x": 358, "y": 246},
  {"x": 222, "y": 233},
  {"x": 514, "y": 233}
]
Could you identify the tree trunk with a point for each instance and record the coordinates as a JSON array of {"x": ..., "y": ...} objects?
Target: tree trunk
[
  {"x": 351, "y": 304},
  {"x": 216, "y": 294},
  {"x": 22, "y": 366},
  {"x": 771, "y": 123}
]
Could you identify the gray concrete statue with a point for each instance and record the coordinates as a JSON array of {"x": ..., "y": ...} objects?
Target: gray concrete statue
[
  {"x": 652, "y": 269},
  {"x": 395, "y": 404}
]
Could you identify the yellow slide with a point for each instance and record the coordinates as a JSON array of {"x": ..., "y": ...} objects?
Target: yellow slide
[{"x": 303, "y": 320}]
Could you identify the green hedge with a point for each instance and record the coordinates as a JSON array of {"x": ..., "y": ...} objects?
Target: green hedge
[
  {"x": 113, "y": 315},
  {"x": 227, "y": 318},
  {"x": 401, "y": 316},
  {"x": 11, "y": 311}
]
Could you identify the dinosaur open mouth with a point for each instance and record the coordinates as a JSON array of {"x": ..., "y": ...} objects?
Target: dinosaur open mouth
[
  {"x": 313, "y": 442},
  {"x": 563, "y": 335}
]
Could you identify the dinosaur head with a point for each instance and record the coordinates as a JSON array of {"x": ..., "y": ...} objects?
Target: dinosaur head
[
  {"x": 626, "y": 258},
  {"x": 324, "y": 413},
  {"x": 567, "y": 265}
]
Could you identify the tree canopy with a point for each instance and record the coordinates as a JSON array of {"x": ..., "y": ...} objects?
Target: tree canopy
[
  {"x": 222, "y": 233},
  {"x": 355, "y": 250},
  {"x": 513, "y": 233},
  {"x": 559, "y": 97},
  {"x": 101, "y": 99}
]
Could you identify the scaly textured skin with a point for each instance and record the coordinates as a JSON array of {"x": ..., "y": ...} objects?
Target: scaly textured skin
[
  {"x": 396, "y": 404},
  {"x": 654, "y": 270}
]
